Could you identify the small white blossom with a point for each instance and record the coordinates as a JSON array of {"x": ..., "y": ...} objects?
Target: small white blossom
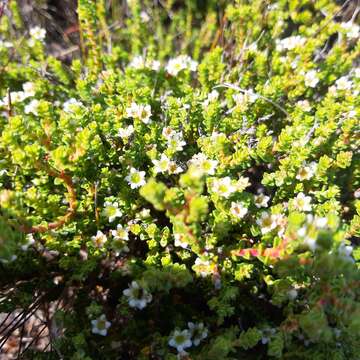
[
  {"x": 182, "y": 62},
  {"x": 304, "y": 105},
  {"x": 345, "y": 251},
  {"x": 290, "y": 43},
  {"x": 206, "y": 165},
  {"x": 120, "y": 237},
  {"x": 99, "y": 239},
  {"x": 168, "y": 133},
  {"x": 71, "y": 105},
  {"x": 179, "y": 241},
  {"x": 212, "y": 96},
  {"x": 261, "y": 200},
  {"x": 352, "y": 29},
  {"x": 126, "y": 131},
  {"x": 29, "y": 240},
  {"x": 100, "y": 325},
  {"x": 37, "y": 33},
  {"x": 136, "y": 178},
  {"x": 311, "y": 78},
  {"x": 29, "y": 89},
  {"x": 223, "y": 187},
  {"x": 139, "y": 111},
  {"x": 5, "y": 44},
  {"x": 302, "y": 202},
  {"x": 292, "y": 294},
  {"x": 137, "y": 296},
  {"x": 32, "y": 107},
  {"x": 306, "y": 172},
  {"x": 202, "y": 267},
  {"x": 198, "y": 332},
  {"x": 176, "y": 142},
  {"x": 267, "y": 222},
  {"x": 343, "y": 83},
  {"x": 238, "y": 210},
  {"x": 180, "y": 340},
  {"x": 162, "y": 165},
  {"x": 144, "y": 16},
  {"x": 112, "y": 210}
]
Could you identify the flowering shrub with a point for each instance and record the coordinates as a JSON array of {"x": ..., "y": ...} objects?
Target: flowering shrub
[{"x": 190, "y": 196}]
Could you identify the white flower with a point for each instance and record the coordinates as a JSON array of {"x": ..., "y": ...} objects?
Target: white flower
[
  {"x": 155, "y": 65},
  {"x": 71, "y": 105},
  {"x": 311, "y": 78},
  {"x": 198, "y": 332},
  {"x": 292, "y": 294},
  {"x": 179, "y": 242},
  {"x": 168, "y": 133},
  {"x": 223, "y": 187},
  {"x": 144, "y": 17},
  {"x": 304, "y": 105},
  {"x": 100, "y": 325},
  {"x": 205, "y": 165},
  {"x": 290, "y": 43},
  {"x": 112, "y": 210},
  {"x": 121, "y": 236},
  {"x": 306, "y": 172},
  {"x": 242, "y": 183},
  {"x": 352, "y": 29},
  {"x": 162, "y": 165},
  {"x": 343, "y": 83},
  {"x": 302, "y": 202},
  {"x": 120, "y": 233},
  {"x": 261, "y": 200},
  {"x": 29, "y": 89},
  {"x": 29, "y": 241},
  {"x": 212, "y": 96},
  {"x": 137, "y": 296},
  {"x": 202, "y": 267},
  {"x": 180, "y": 340},
  {"x": 137, "y": 62},
  {"x": 176, "y": 142},
  {"x": 99, "y": 239},
  {"x": 139, "y": 111},
  {"x": 267, "y": 222},
  {"x": 37, "y": 33},
  {"x": 357, "y": 72},
  {"x": 345, "y": 251},
  {"x": 126, "y": 131},
  {"x": 5, "y": 44},
  {"x": 32, "y": 107},
  {"x": 136, "y": 178},
  {"x": 174, "y": 168},
  {"x": 238, "y": 210},
  {"x": 182, "y": 62}
]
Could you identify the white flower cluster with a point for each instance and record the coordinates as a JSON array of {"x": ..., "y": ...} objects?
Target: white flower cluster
[
  {"x": 139, "y": 111},
  {"x": 175, "y": 140},
  {"x": 182, "y": 62},
  {"x": 139, "y": 62},
  {"x": 165, "y": 165},
  {"x": 205, "y": 165},
  {"x": 183, "y": 339},
  {"x": 36, "y": 34},
  {"x": 290, "y": 43},
  {"x": 19, "y": 96}
]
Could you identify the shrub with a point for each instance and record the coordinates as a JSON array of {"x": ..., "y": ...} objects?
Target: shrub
[{"x": 186, "y": 195}]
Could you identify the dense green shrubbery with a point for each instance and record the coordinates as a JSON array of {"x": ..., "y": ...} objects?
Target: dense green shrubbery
[{"x": 190, "y": 187}]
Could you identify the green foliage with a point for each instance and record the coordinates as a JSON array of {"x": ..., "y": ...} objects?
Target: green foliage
[{"x": 189, "y": 186}]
